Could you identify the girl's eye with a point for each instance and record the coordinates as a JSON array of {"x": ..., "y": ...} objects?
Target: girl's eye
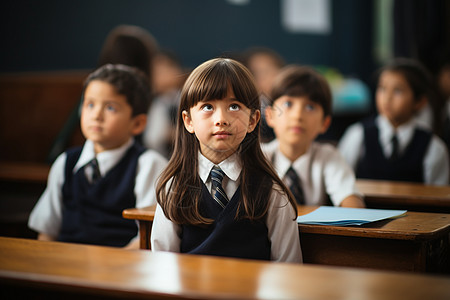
[
  {"x": 207, "y": 107},
  {"x": 234, "y": 107},
  {"x": 287, "y": 104},
  {"x": 89, "y": 105}
]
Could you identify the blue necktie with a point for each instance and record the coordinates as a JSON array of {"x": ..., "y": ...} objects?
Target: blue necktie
[
  {"x": 216, "y": 179},
  {"x": 294, "y": 184}
]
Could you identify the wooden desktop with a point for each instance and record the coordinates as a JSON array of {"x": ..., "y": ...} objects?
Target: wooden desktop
[
  {"x": 31, "y": 269},
  {"x": 405, "y": 195},
  {"x": 416, "y": 242}
]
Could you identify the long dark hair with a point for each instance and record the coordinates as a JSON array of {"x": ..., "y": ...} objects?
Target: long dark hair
[{"x": 179, "y": 187}]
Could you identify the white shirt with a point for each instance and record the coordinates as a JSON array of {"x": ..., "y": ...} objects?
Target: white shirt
[
  {"x": 322, "y": 170},
  {"x": 282, "y": 227},
  {"x": 424, "y": 118},
  {"x": 46, "y": 216},
  {"x": 435, "y": 163},
  {"x": 159, "y": 129}
]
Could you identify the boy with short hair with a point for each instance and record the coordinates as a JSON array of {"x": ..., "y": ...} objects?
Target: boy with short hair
[
  {"x": 300, "y": 110},
  {"x": 89, "y": 187}
]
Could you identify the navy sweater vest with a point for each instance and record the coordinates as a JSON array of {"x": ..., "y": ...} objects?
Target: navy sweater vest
[
  {"x": 408, "y": 167},
  {"x": 92, "y": 213},
  {"x": 226, "y": 236}
]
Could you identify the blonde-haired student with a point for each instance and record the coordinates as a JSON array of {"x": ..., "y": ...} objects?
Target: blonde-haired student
[
  {"x": 299, "y": 111},
  {"x": 219, "y": 195},
  {"x": 89, "y": 186},
  {"x": 393, "y": 146}
]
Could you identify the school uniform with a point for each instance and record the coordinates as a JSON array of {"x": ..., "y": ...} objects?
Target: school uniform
[
  {"x": 325, "y": 177},
  {"x": 279, "y": 234},
  {"x": 367, "y": 144},
  {"x": 74, "y": 208}
]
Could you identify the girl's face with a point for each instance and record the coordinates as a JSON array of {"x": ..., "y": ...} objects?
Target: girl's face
[
  {"x": 395, "y": 98},
  {"x": 220, "y": 125},
  {"x": 106, "y": 117}
]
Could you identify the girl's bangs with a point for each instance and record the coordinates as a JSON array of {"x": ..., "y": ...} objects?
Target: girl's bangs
[
  {"x": 215, "y": 83},
  {"x": 213, "y": 86}
]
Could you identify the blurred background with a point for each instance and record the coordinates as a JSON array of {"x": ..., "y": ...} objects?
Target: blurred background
[{"x": 349, "y": 35}]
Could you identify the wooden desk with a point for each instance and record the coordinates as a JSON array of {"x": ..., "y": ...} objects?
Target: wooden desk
[
  {"x": 415, "y": 242},
  {"x": 31, "y": 269},
  {"x": 405, "y": 195}
]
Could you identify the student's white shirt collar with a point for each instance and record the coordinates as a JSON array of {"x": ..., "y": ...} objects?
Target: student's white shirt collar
[
  {"x": 404, "y": 132},
  {"x": 106, "y": 159},
  {"x": 231, "y": 167},
  {"x": 282, "y": 163}
]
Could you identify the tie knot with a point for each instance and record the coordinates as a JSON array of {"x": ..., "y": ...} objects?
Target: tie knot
[
  {"x": 395, "y": 148},
  {"x": 93, "y": 163},
  {"x": 292, "y": 175},
  {"x": 394, "y": 139},
  {"x": 95, "y": 170},
  {"x": 219, "y": 194},
  {"x": 217, "y": 176},
  {"x": 293, "y": 182}
]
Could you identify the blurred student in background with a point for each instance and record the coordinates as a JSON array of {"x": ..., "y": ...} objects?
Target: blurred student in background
[
  {"x": 89, "y": 186},
  {"x": 125, "y": 44},
  {"x": 393, "y": 146},
  {"x": 300, "y": 110},
  {"x": 264, "y": 63},
  {"x": 168, "y": 77}
]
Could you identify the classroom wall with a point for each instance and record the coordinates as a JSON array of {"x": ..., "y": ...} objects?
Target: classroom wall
[{"x": 59, "y": 35}]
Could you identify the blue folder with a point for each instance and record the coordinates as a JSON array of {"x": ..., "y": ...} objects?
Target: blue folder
[{"x": 343, "y": 216}]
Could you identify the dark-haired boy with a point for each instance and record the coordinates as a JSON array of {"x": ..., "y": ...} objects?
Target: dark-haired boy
[
  {"x": 89, "y": 187},
  {"x": 300, "y": 110}
]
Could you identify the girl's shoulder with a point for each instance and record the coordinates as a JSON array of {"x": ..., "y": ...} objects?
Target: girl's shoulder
[{"x": 278, "y": 198}]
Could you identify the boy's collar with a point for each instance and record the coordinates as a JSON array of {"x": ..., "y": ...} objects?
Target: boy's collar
[{"x": 105, "y": 159}]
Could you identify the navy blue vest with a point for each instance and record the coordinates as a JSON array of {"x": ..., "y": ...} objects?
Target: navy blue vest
[
  {"x": 409, "y": 166},
  {"x": 226, "y": 236},
  {"x": 92, "y": 213}
]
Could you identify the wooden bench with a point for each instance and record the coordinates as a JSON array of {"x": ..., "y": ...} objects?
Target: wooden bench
[
  {"x": 405, "y": 195},
  {"x": 416, "y": 242},
  {"x": 32, "y": 269}
]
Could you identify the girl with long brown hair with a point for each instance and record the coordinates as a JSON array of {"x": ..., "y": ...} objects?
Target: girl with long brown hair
[{"x": 218, "y": 194}]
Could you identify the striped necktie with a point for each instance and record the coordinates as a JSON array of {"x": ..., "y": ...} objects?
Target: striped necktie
[
  {"x": 219, "y": 194},
  {"x": 294, "y": 184}
]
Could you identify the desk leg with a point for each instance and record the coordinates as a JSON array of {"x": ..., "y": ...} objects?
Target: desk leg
[{"x": 145, "y": 229}]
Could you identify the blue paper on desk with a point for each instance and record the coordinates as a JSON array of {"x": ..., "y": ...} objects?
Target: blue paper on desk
[{"x": 343, "y": 216}]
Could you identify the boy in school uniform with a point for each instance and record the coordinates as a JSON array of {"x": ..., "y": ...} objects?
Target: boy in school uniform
[
  {"x": 89, "y": 187},
  {"x": 299, "y": 111},
  {"x": 393, "y": 145}
]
